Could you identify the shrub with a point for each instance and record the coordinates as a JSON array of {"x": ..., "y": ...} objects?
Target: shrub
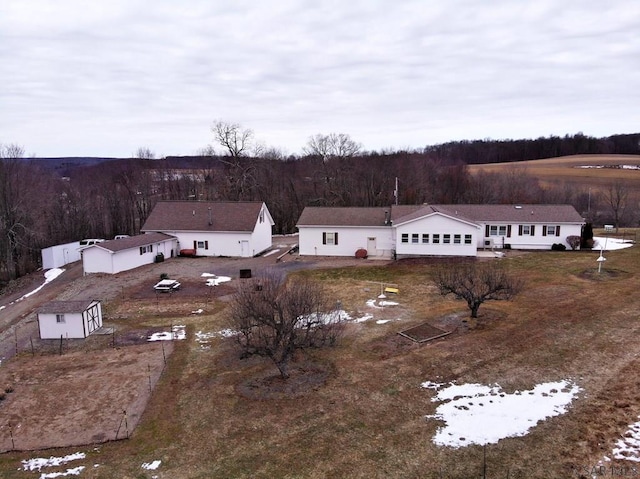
[
  {"x": 558, "y": 247},
  {"x": 164, "y": 276},
  {"x": 574, "y": 242}
]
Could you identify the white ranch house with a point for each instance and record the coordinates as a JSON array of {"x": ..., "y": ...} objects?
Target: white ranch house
[
  {"x": 234, "y": 229},
  {"x": 434, "y": 230},
  {"x": 123, "y": 254},
  {"x": 69, "y": 319}
]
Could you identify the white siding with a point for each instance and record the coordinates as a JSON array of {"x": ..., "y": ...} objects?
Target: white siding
[
  {"x": 98, "y": 260},
  {"x": 71, "y": 328},
  {"x": 59, "y": 255},
  {"x": 440, "y": 225},
  {"x": 350, "y": 239},
  {"x": 527, "y": 241}
]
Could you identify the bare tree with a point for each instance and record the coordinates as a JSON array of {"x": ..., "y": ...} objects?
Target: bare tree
[
  {"x": 617, "y": 196},
  {"x": 275, "y": 318},
  {"x": 333, "y": 145},
  {"x": 235, "y": 139},
  {"x": 144, "y": 153},
  {"x": 476, "y": 283}
]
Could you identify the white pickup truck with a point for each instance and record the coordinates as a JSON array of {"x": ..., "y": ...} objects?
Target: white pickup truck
[{"x": 167, "y": 286}]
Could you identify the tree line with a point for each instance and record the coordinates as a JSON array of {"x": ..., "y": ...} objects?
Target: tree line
[{"x": 41, "y": 206}]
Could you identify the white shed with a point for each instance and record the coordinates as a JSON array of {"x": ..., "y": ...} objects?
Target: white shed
[
  {"x": 124, "y": 254},
  {"x": 60, "y": 255},
  {"x": 69, "y": 319}
]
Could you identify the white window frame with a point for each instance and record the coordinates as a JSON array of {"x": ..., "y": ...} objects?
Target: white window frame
[
  {"x": 526, "y": 230},
  {"x": 404, "y": 238},
  {"x": 60, "y": 319},
  {"x": 330, "y": 238},
  {"x": 457, "y": 239},
  {"x": 415, "y": 238},
  {"x": 436, "y": 238},
  {"x": 425, "y": 238},
  {"x": 446, "y": 238},
  {"x": 551, "y": 230},
  {"x": 468, "y": 239}
]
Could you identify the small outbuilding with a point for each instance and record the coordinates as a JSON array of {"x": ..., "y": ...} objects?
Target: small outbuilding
[{"x": 69, "y": 319}]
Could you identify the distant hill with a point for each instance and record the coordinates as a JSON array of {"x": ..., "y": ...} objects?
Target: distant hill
[{"x": 64, "y": 165}]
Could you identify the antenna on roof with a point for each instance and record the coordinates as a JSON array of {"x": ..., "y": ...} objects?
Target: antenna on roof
[
  {"x": 395, "y": 192},
  {"x": 210, "y": 217}
]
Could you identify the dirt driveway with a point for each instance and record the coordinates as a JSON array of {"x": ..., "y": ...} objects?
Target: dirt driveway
[{"x": 95, "y": 392}]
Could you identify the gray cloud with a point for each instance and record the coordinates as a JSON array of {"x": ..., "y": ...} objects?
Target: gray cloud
[{"x": 103, "y": 78}]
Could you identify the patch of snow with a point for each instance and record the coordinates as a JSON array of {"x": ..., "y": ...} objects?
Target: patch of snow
[
  {"x": 217, "y": 280},
  {"x": 198, "y": 311},
  {"x": 269, "y": 253},
  {"x": 38, "y": 463},
  {"x": 388, "y": 303},
  {"x": 364, "y": 318},
  {"x": 479, "y": 414},
  {"x": 610, "y": 244},
  {"x": 69, "y": 472},
  {"x": 628, "y": 448},
  {"x": 227, "y": 333},
  {"x": 151, "y": 466},
  {"x": 177, "y": 332},
  {"x": 49, "y": 276},
  {"x": 383, "y": 321}
]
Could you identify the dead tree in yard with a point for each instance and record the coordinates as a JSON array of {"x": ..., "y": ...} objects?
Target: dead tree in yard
[
  {"x": 275, "y": 318},
  {"x": 476, "y": 283}
]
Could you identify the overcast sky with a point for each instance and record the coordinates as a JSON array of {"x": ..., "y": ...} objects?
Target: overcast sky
[{"x": 103, "y": 78}]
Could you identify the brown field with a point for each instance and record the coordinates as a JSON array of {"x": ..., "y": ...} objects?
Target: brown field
[
  {"x": 563, "y": 170},
  {"x": 358, "y": 410}
]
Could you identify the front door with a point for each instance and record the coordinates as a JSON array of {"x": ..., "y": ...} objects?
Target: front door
[
  {"x": 244, "y": 248},
  {"x": 371, "y": 247}
]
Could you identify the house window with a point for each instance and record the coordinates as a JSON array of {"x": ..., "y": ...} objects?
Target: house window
[
  {"x": 550, "y": 230},
  {"x": 467, "y": 239},
  {"x": 415, "y": 238},
  {"x": 497, "y": 230},
  {"x": 405, "y": 237},
  {"x": 436, "y": 239},
  {"x": 446, "y": 239},
  {"x": 202, "y": 245},
  {"x": 457, "y": 239},
  {"x": 60, "y": 318},
  {"x": 425, "y": 238},
  {"x": 330, "y": 238},
  {"x": 146, "y": 249},
  {"x": 261, "y": 216},
  {"x": 527, "y": 230}
]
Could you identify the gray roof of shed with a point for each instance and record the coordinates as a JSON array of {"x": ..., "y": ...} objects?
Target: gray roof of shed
[
  {"x": 132, "y": 241},
  {"x": 240, "y": 216},
  {"x": 62, "y": 307}
]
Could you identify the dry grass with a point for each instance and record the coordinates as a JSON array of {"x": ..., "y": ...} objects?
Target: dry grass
[
  {"x": 368, "y": 419},
  {"x": 564, "y": 170}
]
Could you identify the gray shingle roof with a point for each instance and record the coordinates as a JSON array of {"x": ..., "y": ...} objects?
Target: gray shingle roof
[
  {"x": 354, "y": 216},
  {"x": 342, "y": 216},
  {"x": 203, "y": 216},
  {"x": 132, "y": 242},
  {"x": 515, "y": 213},
  {"x": 62, "y": 307}
]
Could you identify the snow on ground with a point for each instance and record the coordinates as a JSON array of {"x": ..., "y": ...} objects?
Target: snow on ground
[
  {"x": 49, "y": 276},
  {"x": 38, "y": 463},
  {"x": 177, "y": 332},
  {"x": 204, "y": 338},
  {"x": 479, "y": 414},
  {"x": 215, "y": 280},
  {"x": 610, "y": 244},
  {"x": 373, "y": 303},
  {"x": 75, "y": 471},
  {"x": 151, "y": 466},
  {"x": 269, "y": 253},
  {"x": 628, "y": 448}
]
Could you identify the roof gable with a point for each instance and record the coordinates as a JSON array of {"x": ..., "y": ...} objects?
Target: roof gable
[
  {"x": 65, "y": 307},
  {"x": 239, "y": 216},
  {"x": 132, "y": 242}
]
